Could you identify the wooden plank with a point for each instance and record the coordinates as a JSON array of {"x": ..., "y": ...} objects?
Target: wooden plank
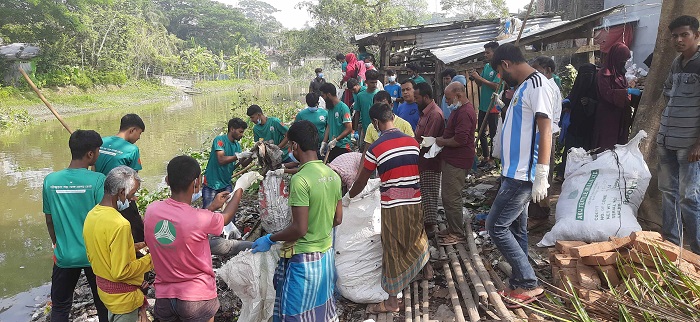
[
  {"x": 562, "y": 260},
  {"x": 563, "y": 246},
  {"x": 608, "y": 275},
  {"x": 604, "y": 258},
  {"x": 588, "y": 277},
  {"x": 600, "y": 247},
  {"x": 651, "y": 235}
]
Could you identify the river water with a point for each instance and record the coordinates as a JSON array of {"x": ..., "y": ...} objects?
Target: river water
[{"x": 28, "y": 155}]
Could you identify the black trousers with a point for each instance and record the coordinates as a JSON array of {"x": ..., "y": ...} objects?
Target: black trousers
[
  {"x": 132, "y": 215},
  {"x": 63, "y": 282},
  {"x": 492, "y": 122}
]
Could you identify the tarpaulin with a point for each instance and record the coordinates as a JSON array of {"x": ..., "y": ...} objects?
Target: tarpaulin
[{"x": 607, "y": 37}]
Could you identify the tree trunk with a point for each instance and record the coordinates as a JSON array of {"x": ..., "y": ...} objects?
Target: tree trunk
[{"x": 653, "y": 102}]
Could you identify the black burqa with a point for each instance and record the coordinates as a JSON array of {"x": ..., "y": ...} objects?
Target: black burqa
[{"x": 583, "y": 116}]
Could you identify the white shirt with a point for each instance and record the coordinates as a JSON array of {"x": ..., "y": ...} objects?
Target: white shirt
[
  {"x": 520, "y": 136},
  {"x": 557, "y": 106}
]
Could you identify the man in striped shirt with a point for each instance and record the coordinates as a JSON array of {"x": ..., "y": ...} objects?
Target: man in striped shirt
[
  {"x": 525, "y": 149},
  {"x": 404, "y": 242}
]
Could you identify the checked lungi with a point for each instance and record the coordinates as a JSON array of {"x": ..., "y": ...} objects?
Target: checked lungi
[
  {"x": 430, "y": 192},
  {"x": 404, "y": 246},
  {"x": 304, "y": 287}
]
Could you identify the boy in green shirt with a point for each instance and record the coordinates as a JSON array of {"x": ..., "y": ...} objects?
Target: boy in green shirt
[
  {"x": 363, "y": 101},
  {"x": 225, "y": 152},
  {"x": 317, "y": 116},
  {"x": 488, "y": 81},
  {"x": 121, "y": 150},
  {"x": 315, "y": 197},
  {"x": 269, "y": 129},
  {"x": 336, "y": 140},
  {"x": 68, "y": 195}
]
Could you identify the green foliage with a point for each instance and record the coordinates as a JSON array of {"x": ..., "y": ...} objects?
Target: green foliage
[
  {"x": 247, "y": 62},
  {"x": 567, "y": 79},
  {"x": 145, "y": 197},
  {"x": 476, "y": 9}
]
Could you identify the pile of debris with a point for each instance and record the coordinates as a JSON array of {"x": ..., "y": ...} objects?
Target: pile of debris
[{"x": 640, "y": 274}]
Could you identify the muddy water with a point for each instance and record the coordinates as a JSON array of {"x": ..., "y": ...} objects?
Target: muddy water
[{"x": 28, "y": 155}]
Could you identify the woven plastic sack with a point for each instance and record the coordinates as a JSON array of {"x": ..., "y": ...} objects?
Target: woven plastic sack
[
  {"x": 601, "y": 194},
  {"x": 346, "y": 165},
  {"x": 275, "y": 212},
  {"x": 250, "y": 277}
]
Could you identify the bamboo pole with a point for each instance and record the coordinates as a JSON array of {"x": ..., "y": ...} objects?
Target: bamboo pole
[
  {"x": 472, "y": 309},
  {"x": 499, "y": 283},
  {"x": 416, "y": 303},
  {"x": 426, "y": 300},
  {"x": 459, "y": 315},
  {"x": 407, "y": 304},
  {"x": 43, "y": 99},
  {"x": 473, "y": 276}
]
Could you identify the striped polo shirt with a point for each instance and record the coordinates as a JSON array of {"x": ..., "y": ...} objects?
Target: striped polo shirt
[
  {"x": 520, "y": 136},
  {"x": 395, "y": 157},
  {"x": 680, "y": 121}
]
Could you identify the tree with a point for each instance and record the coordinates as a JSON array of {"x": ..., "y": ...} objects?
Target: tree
[
  {"x": 260, "y": 16},
  {"x": 476, "y": 9},
  {"x": 648, "y": 116}
]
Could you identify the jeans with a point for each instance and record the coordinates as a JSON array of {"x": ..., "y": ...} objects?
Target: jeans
[
  {"x": 208, "y": 194},
  {"x": 679, "y": 182},
  {"x": 63, "y": 282},
  {"x": 507, "y": 226},
  {"x": 227, "y": 247},
  {"x": 452, "y": 184}
]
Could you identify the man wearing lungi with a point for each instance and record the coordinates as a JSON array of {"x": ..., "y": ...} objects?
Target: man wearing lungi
[
  {"x": 405, "y": 245},
  {"x": 304, "y": 278}
]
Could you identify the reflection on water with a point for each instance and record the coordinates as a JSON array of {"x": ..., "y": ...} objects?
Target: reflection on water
[{"x": 28, "y": 155}]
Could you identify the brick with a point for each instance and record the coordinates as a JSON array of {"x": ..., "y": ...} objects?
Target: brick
[
  {"x": 563, "y": 246},
  {"x": 613, "y": 279},
  {"x": 552, "y": 251},
  {"x": 647, "y": 246},
  {"x": 588, "y": 277},
  {"x": 641, "y": 258},
  {"x": 562, "y": 260},
  {"x": 600, "y": 247},
  {"x": 651, "y": 235},
  {"x": 633, "y": 270},
  {"x": 604, "y": 258}
]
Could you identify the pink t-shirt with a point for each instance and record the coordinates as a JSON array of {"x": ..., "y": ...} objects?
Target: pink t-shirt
[{"x": 177, "y": 236}]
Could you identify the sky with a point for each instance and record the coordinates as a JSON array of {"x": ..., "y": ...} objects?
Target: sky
[{"x": 293, "y": 18}]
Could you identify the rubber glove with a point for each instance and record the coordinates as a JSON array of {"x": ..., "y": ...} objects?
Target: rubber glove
[
  {"x": 427, "y": 141},
  {"x": 244, "y": 155},
  {"x": 634, "y": 91},
  {"x": 324, "y": 148},
  {"x": 497, "y": 102},
  {"x": 565, "y": 101},
  {"x": 247, "y": 180},
  {"x": 262, "y": 244},
  {"x": 346, "y": 199},
  {"x": 539, "y": 187},
  {"x": 332, "y": 144}
]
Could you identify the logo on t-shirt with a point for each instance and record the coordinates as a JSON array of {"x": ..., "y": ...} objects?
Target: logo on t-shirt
[
  {"x": 272, "y": 128},
  {"x": 337, "y": 115},
  {"x": 165, "y": 232},
  {"x": 220, "y": 143},
  {"x": 322, "y": 118},
  {"x": 491, "y": 74}
]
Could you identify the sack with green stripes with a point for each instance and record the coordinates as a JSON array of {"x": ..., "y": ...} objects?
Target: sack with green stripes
[{"x": 601, "y": 194}]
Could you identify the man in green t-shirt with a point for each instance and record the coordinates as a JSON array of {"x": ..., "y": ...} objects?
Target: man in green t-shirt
[
  {"x": 68, "y": 195},
  {"x": 315, "y": 197},
  {"x": 121, "y": 150},
  {"x": 317, "y": 116},
  {"x": 488, "y": 81},
  {"x": 223, "y": 159},
  {"x": 363, "y": 101},
  {"x": 336, "y": 140},
  {"x": 270, "y": 129},
  {"x": 413, "y": 70}
]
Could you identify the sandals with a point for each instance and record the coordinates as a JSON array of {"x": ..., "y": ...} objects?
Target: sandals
[
  {"x": 517, "y": 300},
  {"x": 380, "y": 307}
]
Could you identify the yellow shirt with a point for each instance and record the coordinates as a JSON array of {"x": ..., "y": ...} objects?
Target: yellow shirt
[
  {"x": 110, "y": 250},
  {"x": 399, "y": 123}
]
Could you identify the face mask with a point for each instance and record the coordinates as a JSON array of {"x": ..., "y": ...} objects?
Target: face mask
[
  {"x": 196, "y": 195},
  {"x": 313, "y": 109},
  {"x": 454, "y": 106},
  {"x": 291, "y": 156},
  {"x": 258, "y": 122},
  {"x": 320, "y": 75},
  {"x": 368, "y": 65},
  {"x": 121, "y": 206},
  {"x": 392, "y": 79}
]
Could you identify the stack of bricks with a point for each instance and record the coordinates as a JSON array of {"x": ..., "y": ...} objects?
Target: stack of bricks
[{"x": 593, "y": 268}]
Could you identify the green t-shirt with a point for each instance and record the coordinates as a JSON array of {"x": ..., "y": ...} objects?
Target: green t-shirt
[
  {"x": 557, "y": 80},
  {"x": 273, "y": 130},
  {"x": 485, "y": 99},
  {"x": 363, "y": 101},
  {"x": 418, "y": 79},
  {"x": 219, "y": 176},
  {"x": 318, "y": 187},
  {"x": 116, "y": 151},
  {"x": 319, "y": 118},
  {"x": 337, "y": 117},
  {"x": 68, "y": 196}
]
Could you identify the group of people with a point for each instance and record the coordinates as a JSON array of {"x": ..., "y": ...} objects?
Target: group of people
[{"x": 418, "y": 148}]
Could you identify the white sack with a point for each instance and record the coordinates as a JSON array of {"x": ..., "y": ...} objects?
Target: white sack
[
  {"x": 275, "y": 212},
  {"x": 250, "y": 277},
  {"x": 496, "y": 149},
  {"x": 358, "y": 246},
  {"x": 600, "y": 196}
]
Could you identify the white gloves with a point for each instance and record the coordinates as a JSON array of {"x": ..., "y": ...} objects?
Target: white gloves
[
  {"x": 496, "y": 96},
  {"x": 346, "y": 199},
  {"x": 539, "y": 187},
  {"x": 324, "y": 147},
  {"x": 332, "y": 144},
  {"x": 279, "y": 172},
  {"x": 427, "y": 141},
  {"x": 247, "y": 180},
  {"x": 244, "y": 155}
]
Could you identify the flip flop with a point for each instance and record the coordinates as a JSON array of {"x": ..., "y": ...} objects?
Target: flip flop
[
  {"x": 379, "y": 308},
  {"x": 518, "y": 300}
]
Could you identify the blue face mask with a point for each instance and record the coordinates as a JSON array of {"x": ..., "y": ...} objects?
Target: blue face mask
[
  {"x": 121, "y": 206},
  {"x": 313, "y": 109},
  {"x": 196, "y": 195},
  {"x": 258, "y": 122},
  {"x": 291, "y": 157},
  {"x": 320, "y": 75}
]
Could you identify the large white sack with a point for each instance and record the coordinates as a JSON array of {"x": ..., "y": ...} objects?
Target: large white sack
[
  {"x": 250, "y": 277},
  {"x": 601, "y": 194},
  {"x": 358, "y": 246},
  {"x": 275, "y": 211},
  {"x": 496, "y": 149}
]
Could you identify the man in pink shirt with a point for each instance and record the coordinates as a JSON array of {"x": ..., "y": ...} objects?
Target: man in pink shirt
[{"x": 177, "y": 235}]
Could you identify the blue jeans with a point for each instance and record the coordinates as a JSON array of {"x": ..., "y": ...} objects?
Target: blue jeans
[
  {"x": 507, "y": 226},
  {"x": 208, "y": 194},
  {"x": 679, "y": 182}
]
